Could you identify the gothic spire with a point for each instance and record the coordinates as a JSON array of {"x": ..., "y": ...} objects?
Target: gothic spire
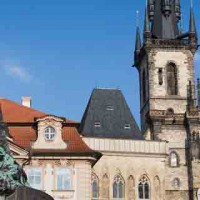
[
  {"x": 146, "y": 21},
  {"x": 138, "y": 40},
  {"x": 192, "y": 22},
  {"x": 165, "y": 20},
  {"x": 138, "y": 44}
]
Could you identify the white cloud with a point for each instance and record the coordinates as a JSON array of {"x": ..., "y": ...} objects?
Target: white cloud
[{"x": 18, "y": 72}]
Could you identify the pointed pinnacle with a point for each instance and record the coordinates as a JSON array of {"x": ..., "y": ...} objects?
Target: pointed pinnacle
[
  {"x": 138, "y": 40},
  {"x": 192, "y": 22},
  {"x": 146, "y": 21}
]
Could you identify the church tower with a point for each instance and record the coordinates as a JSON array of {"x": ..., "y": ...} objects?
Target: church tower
[{"x": 165, "y": 62}]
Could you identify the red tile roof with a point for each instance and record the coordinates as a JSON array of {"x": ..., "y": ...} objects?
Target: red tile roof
[
  {"x": 17, "y": 113},
  {"x": 23, "y": 129}
]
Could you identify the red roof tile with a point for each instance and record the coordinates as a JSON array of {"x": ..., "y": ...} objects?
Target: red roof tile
[
  {"x": 24, "y": 131},
  {"x": 17, "y": 113}
]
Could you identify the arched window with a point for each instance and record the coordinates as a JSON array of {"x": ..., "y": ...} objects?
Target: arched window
[
  {"x": 170, "y": 112},
  {"x": 144, "y": 188},
  {"x": 144, "y": 85},
  {"x": 105, "y": 187},
  {"x": 95, "y": 187},
  {"x": 118, "y": 187},
  {"x": 174, "y": 161},
  {"x": 50, "y": 133},
  {"x": 157, "y": 191},
  {"x": 176, "y": 183},
  {"x": 131, "y": 188},
  {"x": 172, "y": 86}
]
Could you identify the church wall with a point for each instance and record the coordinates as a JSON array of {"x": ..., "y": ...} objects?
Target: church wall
[
  {"x": 131, "y": 165},
  {"x": 130, "y": 158}
]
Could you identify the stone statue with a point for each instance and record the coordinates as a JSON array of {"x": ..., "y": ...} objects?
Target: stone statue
[
  {"x": 13, "y": 180},
  {"x": 11, "y": 173}
]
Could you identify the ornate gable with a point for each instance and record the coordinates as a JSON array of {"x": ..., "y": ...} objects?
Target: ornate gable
[{"x": 49, "y": 133}]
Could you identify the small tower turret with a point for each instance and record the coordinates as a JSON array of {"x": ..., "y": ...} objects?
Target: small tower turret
[
  {"x": 192, "y": 32},
  {"x": 147, "y": 32},
  {"x": 177, "y": 10},
  {"x": 151, "y": 9}
]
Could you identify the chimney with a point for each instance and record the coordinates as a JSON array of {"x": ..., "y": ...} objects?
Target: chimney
[{"x": 26, "y": 101}]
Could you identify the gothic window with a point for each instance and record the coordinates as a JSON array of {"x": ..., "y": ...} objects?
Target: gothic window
[
  {"x": 105, "y": 187},
  {"x": 95, "y": 187},
  {"x": 118, "y": 187},
  {"x": 174, "y": 161},
  {"x": 144, "y": 85},
  {"x": 176, "y": 183},
  {"x": 160, "y": 76},
  {"x": 172, "y": 88},
  {"x": 131, "y": 188},
  {"x": 144, "y": 188},
  {"x": 157, "y": 188}
]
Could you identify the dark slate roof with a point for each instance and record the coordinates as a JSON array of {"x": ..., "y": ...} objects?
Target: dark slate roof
[
  {"x": 109, "y": 108},
  {"x": 165, "y": 22}
]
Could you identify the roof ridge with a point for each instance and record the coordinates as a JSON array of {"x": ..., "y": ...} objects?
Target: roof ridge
[
  {"x": 22, "y": 106},
  {"x": 107, "y": 89}
]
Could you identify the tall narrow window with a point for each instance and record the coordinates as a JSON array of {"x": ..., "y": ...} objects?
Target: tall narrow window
[
  {"x": 63, "y": 179},
  {"x": 144, "y": 188},
  {"x": 105, "y": 187},
  {"x": 118, "y": 187},
  {"x": 174, "y": 162},
  {"x": 176, "y": 183},
  {"x": 95, "y": 187},
  {"x": 131, "y": 188},
  {"x": 144, "y": 85},
  {"x": 198, "y": 194},
  {"x": 160, "y": 76},
  {"x": 172, "y": 86},
  {"x": 34, "y": 178}
]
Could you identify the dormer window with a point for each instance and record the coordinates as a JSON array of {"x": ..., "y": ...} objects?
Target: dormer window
[
  {"x": 97, "y": 124},
  {"x": 127, "y": 126},
  {"x": 50, "y": 133},
  {"x": 110, "y": 107}
]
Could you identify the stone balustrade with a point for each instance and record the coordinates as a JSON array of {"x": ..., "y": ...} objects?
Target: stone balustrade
[{"x": 129, "y": 146}]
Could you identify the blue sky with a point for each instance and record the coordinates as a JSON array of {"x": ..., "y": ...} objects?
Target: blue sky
[{"x": 57, "y": 51}]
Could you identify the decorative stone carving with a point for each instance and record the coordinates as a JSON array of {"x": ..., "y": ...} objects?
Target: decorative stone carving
[{"x": 57, "y": 142}]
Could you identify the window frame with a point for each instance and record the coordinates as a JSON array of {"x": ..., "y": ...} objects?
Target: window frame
[
  {"x": 32, "y": 169},
  {"x": 179, "y": 183},
  {"x": 95, "y": 179},
  {"x": 63, "y": 175},
  {"x": 116, "y": 182},
  {"x": 49, "y": 134},
  {"x": 144, "y": 181},
  {"x": 167, "y": 71},
  {"x": 177, "y": 159}
]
